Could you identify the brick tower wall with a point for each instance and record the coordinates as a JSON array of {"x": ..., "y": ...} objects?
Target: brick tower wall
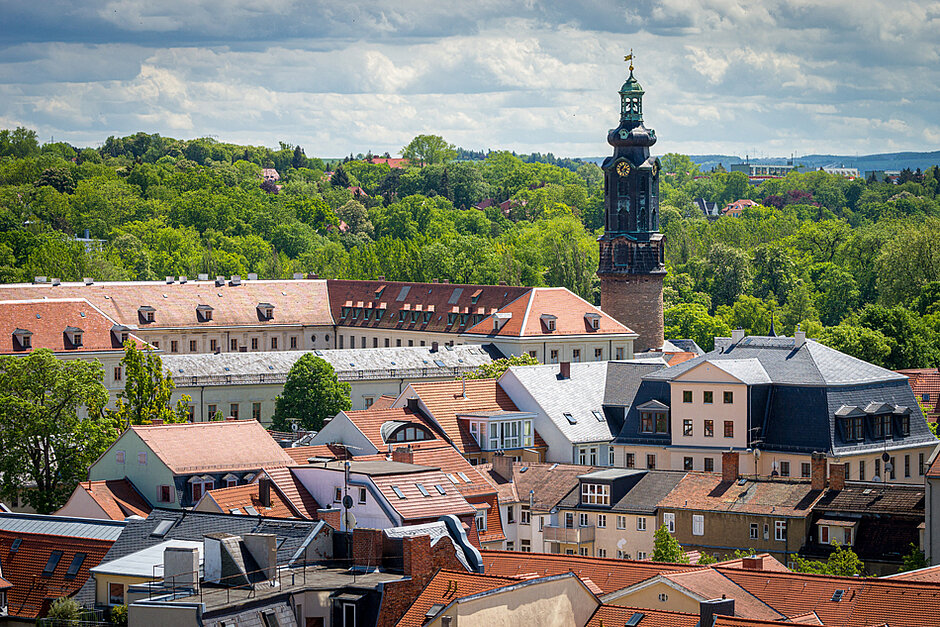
[{"x": 636, "y": 301}]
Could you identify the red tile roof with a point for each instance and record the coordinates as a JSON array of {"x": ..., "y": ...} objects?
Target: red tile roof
[
  {"x": 46, "y": 321},
  {"x": 117, "y": 497},
  {"x": 569, "y": 311},
  {"x": 294, "y": 491},
  {"x": 450, "y": 461},
  {"x": 607, "y": 574},
  {"x": 447, "y": 586},
  {"x": 370, "y": 421},
  {"x": 925, "y": 382},
  {"x": 930, "y": 573},
  {"x": 440, "y": 299},
  {"x": 494, "y": 523},
  {"x": 243, "y": 496},
  {"x": 613, "y": 616},
  {"x": 702, "y": 491},
  {"x": 232, "y": 445},
  {"x": 713, "y": 584},
  {"x": 416, "y": 507},
  {"x": 390, "y": 162},
  {"x": 300, "y": 454},
  {"x": 32, "y": 592},
  {"x": 295, "y": 302}
]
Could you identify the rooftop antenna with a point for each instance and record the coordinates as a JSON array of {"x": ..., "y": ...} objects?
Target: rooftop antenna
[{"x": 772, "y": 332}]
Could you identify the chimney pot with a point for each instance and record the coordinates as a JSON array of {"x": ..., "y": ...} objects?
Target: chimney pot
[
  {"x": 264, "y": 491},
  {"x": 564, "y": 370},
  {"x": 837, "y": 477},
  {"x": 752, "y": 563},
  {"x": 819, "y": 465},
  {"x": 730, "y": 466},
  {"x": 434, "y": 346}
]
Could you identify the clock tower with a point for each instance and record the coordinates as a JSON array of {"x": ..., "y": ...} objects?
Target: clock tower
[{"x": 632, "y": 250}]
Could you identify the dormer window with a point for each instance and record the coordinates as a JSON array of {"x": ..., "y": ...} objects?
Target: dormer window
[
  {"x": 22, "y": 339},
  {"x": 595, "y": 494},
  {"x": 345, "y": 313},
  {"x": 204, "y": 313},
  {"x": 593, "y": 320},
  {"x": 146, "y": 313},
  {"x": 74, "y": 336},
  {"x": 475, "y": 296},
  {"x": 549, "y": 321},
  {"x": 265, "y": 311}
]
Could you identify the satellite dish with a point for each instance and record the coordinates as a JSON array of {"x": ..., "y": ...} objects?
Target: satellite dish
[
  {"x": 350, "y": 521},
  {"x": 888, "y": 468},
  {"x": 293, "y": 426},
  {"x": 876, "y": 478},
  {"x": 885, "y": 457},
  {"x": 757, "y": 453}
]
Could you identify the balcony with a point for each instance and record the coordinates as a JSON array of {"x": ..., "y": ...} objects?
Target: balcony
[{"x": 568, "y": 535}]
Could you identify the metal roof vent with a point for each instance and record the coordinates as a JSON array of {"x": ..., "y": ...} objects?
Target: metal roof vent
[
  {"x": 170, "y": 280},
  {"x": 236, "y": 280},
  {"x": 56, "y": 281},
  {"x": 219, "y": 281},
  {"x": 203, "y": 277},
  {"x": 298, "y": 276},
  {"x": 88, "y": 280},
  {"x": 252, "y": 276},
  {"x": 39, "y": 279},
  {"x": 183, "y": 279}
]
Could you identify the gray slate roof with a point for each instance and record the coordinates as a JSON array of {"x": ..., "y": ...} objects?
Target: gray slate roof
[
  {"x": 689, "y": 346},
  {"x": 350, "y": 363},
  {"x": 641, "y": 498},
  {"x": 61, "y": 526},
  {"x": 580, "y": 395},
  {"x": 623, "y": 380}
]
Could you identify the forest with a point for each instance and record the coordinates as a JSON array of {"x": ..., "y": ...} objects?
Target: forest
[{"x": 853, "y": 262}]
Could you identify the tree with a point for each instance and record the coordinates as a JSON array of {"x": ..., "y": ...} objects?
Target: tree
[
  {"x": 858, "y": 341},
  {"x": 731, "y": 273},
  {"x": 913, "y": 560},
  {"x": 43, "y": 438},
  {"x": 312, "y": 394},
  {"x": 147, "y": 390},
  {"x": 691, "y": 320},
  {"x": 496, "y": 369},
  {"x": 65, "y": 611},
  {"x": 841, "y": 563},
  {"x": 340, "y": 178},
  {"x": 667, "y": 549},
  {"x": 356, "y": 217},
  {"x": 299, "y": 160},
  {"x": 428, "y": 150}
]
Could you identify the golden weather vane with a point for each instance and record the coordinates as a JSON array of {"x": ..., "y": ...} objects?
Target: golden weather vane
[{"x": 629, "y": 58}]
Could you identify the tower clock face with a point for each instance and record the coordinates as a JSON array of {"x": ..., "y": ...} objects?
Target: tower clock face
[{"x": 623, "y": 168}]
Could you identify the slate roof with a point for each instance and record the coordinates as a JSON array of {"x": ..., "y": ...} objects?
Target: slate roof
[
  {"x": 296, "y": 301},
  {"x": 232, "y": 445},
  {"x": 581, "y": 395},
  {"x": 707, "y": 492},
  {"x": 72, "y": 527},
  {"x": 641, "y": 497},
  {"x": 688, "y": 346},
  {"x": 118, "y": 498},
  {"x": 193, "y": 526},
  {"x": 623, "y": 381},
  {"x": 350, "y": 364}
]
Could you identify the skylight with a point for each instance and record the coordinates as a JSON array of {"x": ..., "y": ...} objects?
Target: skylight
[
  {"x": 76, "y": 564},
  {"x": 54, "y": 558},
  {"x": 251, "y": 511},
  {"x": 453, "y": 479},
  {"x": 571, "y": 419},
  {"x": 598, "y": 415},
  {"x": 440, "y": 489},
  {"x": 16, "y": 544},
  {"x": 162, "y": 527},
  {"x": 422, "y": 489},
  {"x": 464, "y": 477},
  {"x": 398, "y": 492}
]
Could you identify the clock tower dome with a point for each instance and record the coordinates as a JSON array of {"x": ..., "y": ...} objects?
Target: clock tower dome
[{"x": 632, "y": 250}]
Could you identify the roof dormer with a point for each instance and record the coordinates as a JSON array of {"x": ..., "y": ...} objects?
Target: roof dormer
[
  {"x": 146, "y": 313},
  {"x": 500, "y": 318},
  {"x": 593, "y": 320},
  {"x": 265, "y": 311},
  {"x": 548, "y": 321},
  {"x": 204, "y": 313},
  {"x": 22, "y": 339},
  {"x": 119, "y": 335},
  {"x": 73, "y": 337}
]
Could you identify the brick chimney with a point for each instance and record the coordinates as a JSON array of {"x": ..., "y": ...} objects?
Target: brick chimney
[
  {"x": 730, "y": 466},
  {"x": 837, "y": 477},
  {"x": 332, "y": 517},
  {"x": 818, "y": 476},
  {"x": 564, "y": 370},
  {"x": 264, "y": 491},
  {"x": 708, "y": 610},
  {"x": 752, "y": 563},
  {"x": 502, "y": 466},
  {"x": 416, "y": 556},
  {"x": 157, "y": 422},
  {"x": 404, "y": 455},
  {"x": 367, "y": 547}
]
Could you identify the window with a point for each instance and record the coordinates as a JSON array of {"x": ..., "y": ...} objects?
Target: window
[
  {"x": 641, "y": 523},
  {"x": 76, "y": 564},
  {"x": 669, "y": 519},
  {"x": 780, "y": 530},
  {"x": 51, "y": 564},
  {"x": 619, "y": 353},
  {"x": 847, "y": 536},
  {"x": 823, "y": 534},
  {"x": 510, "y": 514},
  {"x": 708, "y": 396},
  {"x": 525, "y": 546},
  {"x": 686, "y": 463},
  {"x": 698, "y": 525},
  {"x": 651, "y": 461},
  {"x": 709, "y": 428},
  {"x": 570, "y": 418},
  {"x": 587, "y": 456},
  {"x": 337, "y": 495},
  {"x": 525, "y": 516},
  {"x": 598, "y": 354},
  {"x": 708, "y": 464},
  {"x": 595, "y": 494},
  {"x": 554, "y": 356},
  {"x": 582, "y": 550},
  {"x": 119, "y": 457},
  {"x": 653, "y": 422},
  {"x": 894, "y": 468},
  {"x": 510, "y": 545},
  {"x": 156, "y": 344},
  {"x": 569, "y": 520},
  {"x": 687, "y": 427},
  {"x": 233, "y": 345},
  {"x": 576, "y": 355},
  {"x": 629, "y": 460},
  {"x": 423, "y": 490},
  {"x": 729, "y": 397},
  {"x": 905, "y": 425},
  {"x": 805, "y": 469},
  {"x": 583, "y": 520},
  {"x": 878, "y": 469},
  {"x": 174, "y": 346},
  {"x": 907, "y": 465},
  {"x": 115, "y": 594},
  {"x": 213, "y": 345},
  {"x": 480, "y": 520},
  {"x": 784, "y": 469},
  {"x": 881, "y": 427},
  {"x": 362, "y": 495},
  {"x": 687, "y": 396},
  {"x": 398, "y": 492},
  {"x": 293, "y": 342},
  {"x": 602, "y": 521},
  {"x": 233, "y": 410},
  {"x": 610, "y": 456},
  {"x": 729, "y": 428},
  {"x": 254, "y": 343},
  {"x": 192, "y": 346},
  {"x": 621, "y": 522},
  {"x": 164, "y": 494},
  {"x": 601, "y": 552},
  {"x": 920, "y": 464},
  {"x": 861, "y": 470},
  {"x": 142, "y": 458},
  {"x": 755, "y": 531},
  {"x": 118, "y": 373},
  {"x": 274, "y": 343},
  {"x": 623, "y": 555}
]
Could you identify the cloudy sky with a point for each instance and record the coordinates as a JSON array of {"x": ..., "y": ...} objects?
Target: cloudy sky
[{"x": 758, "y": 77}]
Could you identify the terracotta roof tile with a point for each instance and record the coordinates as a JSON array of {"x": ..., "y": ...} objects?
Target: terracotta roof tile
[
  {"x": 213, "y": 446},
  {"x": 494, "y": 524},
  {"x": 613, "y": 615},
  {"x": 32, "y": 592},
  {"x": 370, "y": 421},
  {"x": 415, "y": 506},
  {"x": 925, "y": 382},
  {"x": 930, "y": 573},
  {"x": 117, "y": 497},
  {"x": 295, "y": 302},
  {"x": 446, "y": 586},
  {"x": 300, "y": 454},
  {"x": 294, "y": 491},
  {"x": 713, "y": 584},
  {"x": 450, "y": 461},
  {"x": 707, "y": 492},
  {"x": 244, "y": 496}
]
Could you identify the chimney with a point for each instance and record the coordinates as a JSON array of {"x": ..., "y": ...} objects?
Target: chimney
[
  {"x": 730, "y": 466},
  {"x": 818, "y": 476},
  {"x": 434, "y": 346},
  {"x": 502, "y": 466},
  {"x": 332, "y": 517},
  {"x": 88, "y": 280},
  {"x": 367, "y": 547},
  {"x": 156, "y": 422},
  {"x": 412, "y": 405},
  {"x": 181, "y": 566},
  {"x": 404, "y": 455},
  {"x": 264, "y": 491},
  {"x": 564, "y": 370},
  {"x": 263, "y": 547},
  {"x": 183, "y": 278},
  {"x": 799, "y": 337},
  {"x": 752, "y": 562},
  {"x": 737, "y": 335},
  {"x": 416, "y": 557},
  {"x": 381, "y": 277},
  {"x": 503, "y": 283},
  {"x": 170, "y": 280},
  {"x": 837, "y": 477},
  {"x": 708, "y": 610}
]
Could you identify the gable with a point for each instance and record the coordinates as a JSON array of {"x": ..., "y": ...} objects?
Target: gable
[{"x": 710, "y": 372}]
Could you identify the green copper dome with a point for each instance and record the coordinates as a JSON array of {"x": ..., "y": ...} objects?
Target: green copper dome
[
  {"x": 631, "y": 100},
  {"x": 632, "y": 86}
]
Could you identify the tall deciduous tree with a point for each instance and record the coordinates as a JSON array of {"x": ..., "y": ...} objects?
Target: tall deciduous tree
[
  {"x": 147, "y": 390},
  {"x": 496, "y": 369},
  {"x": 43, "y": 439},
  {"x": 428, "y": 150},
  {"x": 311, "y": 394}
]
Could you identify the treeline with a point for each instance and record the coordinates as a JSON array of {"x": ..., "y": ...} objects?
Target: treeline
[{"x": 853, "y": 262}]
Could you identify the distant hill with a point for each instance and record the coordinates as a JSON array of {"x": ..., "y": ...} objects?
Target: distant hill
[{"x": 865, "y": 163}]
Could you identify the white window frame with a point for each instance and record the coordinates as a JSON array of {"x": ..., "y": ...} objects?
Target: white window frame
[
  {"x": 595, "y": 494},
  {"x": 480, "y": 519},
  {"x": 621, "y": 522},
  {"x": 780, "y": 530},
  {"x": 583, "y": 520},
  {"x": 669, "y": 519},
  {"x": 602, "y": 521},
  {"x": 641, "y": 523},
  {"x": 698, "y": 525}
]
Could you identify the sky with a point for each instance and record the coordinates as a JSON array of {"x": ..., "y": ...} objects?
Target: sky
[{"x": 755, "y": 77}]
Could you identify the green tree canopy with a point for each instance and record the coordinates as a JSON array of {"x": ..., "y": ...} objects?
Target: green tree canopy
[
  {"x": 428, "y": 150},
  {"x": 147, "y": 390},
  {"x": 843, "y": 562},
  {"x": 496, "y": 369},
  {"x": 667, "y": 549},
  {"x": 312, "y": 394}
]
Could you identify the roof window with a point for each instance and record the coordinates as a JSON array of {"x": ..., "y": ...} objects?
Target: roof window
[
  {"x": 571, "y": 419},
  {"x": 16, "y": 545},
  {"x": 161, "y": 529},
  {"x": 422, "y": 489},
  {"x": 463, "y": 476},
  {"x": 74, "y": 336},
  {"x": 598, "y": 415},
  {"x": 76, "y": 564},
  {"x": 440, "y": 489},
  {"x": 549, "y": 321},
  {"x": 453, "y": 479},
  {"x": 204, "y": 313},
  {"x": 398, "y": 492},
  {"x": 53, "y": 561},
  {"x": 265, "y": 311},
  {"x": 22, "y": 339}
]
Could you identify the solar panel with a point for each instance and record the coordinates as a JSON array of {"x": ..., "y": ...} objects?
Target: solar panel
[
  {"x": 16, "y": 545},
  {"x": 162, "y": 527},
  {"x": 54, "y": 558},
  {"x": 76, "y": 564}
]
